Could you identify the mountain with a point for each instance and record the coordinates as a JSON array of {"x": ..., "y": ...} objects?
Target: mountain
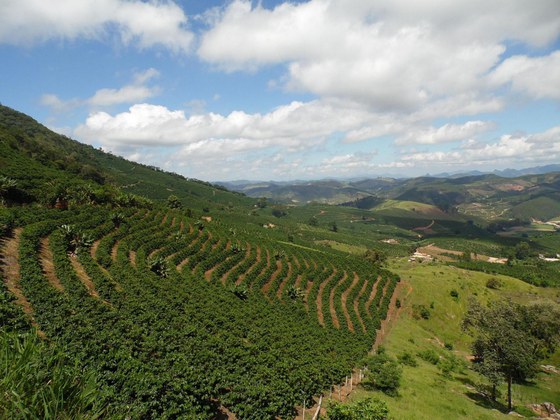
[{"x": 483, "y": 195}]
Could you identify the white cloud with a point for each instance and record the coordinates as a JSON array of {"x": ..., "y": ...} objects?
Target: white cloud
[
  {"x": 537, "y": 77},
  {"x": 145, "y": 24},
  {"x": 390, "y": 55},
  {"x": 508, "y": 150},
  {"x": 291, "y": 125},
  {"x": 134, "y": 92},
  {"x": 446, "y": 133}
]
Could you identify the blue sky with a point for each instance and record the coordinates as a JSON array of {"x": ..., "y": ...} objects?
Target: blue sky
[{"x": 225, "y": 90}]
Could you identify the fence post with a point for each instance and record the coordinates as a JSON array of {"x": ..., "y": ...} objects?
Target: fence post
[{"x": 316, "y": 416}]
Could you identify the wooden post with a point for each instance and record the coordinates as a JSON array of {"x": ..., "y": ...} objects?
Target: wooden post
[
  {"x": 316, "y": 416},
  {"x": 303, "y": 409},
  {"x": 339, "y": 392}
]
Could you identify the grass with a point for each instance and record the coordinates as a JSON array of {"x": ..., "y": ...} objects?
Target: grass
[{"x": 425, "y": 392}]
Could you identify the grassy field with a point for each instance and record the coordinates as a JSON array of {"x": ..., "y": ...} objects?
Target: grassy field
[{"x": 426, "y": 393}]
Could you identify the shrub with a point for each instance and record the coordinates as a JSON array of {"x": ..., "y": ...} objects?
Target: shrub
[
  {"x": 384, "y": 374},
  {"x": 429, "y": 356},
  {"x": 494, "y": 283},
  {"x": 454, "y": 294},
  {"x": 368, "y": 409},
  {"x": 407, "y": 359},
  {"x": 448, "y": 346},
  {"x": 422, "y": 312}
]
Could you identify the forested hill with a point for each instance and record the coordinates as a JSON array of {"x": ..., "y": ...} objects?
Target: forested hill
[{"x": 44, "y": 163}]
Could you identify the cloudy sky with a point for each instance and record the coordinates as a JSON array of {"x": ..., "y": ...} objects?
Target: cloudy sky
[{"x": 224, "y": 90}]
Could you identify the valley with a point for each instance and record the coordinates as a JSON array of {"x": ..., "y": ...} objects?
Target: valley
[{"x": 169, "y": 297}]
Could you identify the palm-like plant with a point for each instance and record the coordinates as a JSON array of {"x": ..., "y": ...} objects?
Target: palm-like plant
[{"x": 159, "y": 266}]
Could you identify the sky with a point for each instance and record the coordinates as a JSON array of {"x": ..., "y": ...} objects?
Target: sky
[{"x": 277, "y": 90}]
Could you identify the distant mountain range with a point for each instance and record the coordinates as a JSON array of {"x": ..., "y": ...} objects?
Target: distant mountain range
[{"x": 535, "y": 193}]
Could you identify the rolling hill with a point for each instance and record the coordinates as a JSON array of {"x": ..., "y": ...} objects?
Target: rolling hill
[{"x": 139, "y": 293}]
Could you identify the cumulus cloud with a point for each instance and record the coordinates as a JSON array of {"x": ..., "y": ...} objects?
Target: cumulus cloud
[
  {"x": 509, "y": 149},
  {"x": 537, "y": 77},
  {"x": 135, "y": 92},
  {"x": 146, "y": 24},
  {"x": 446, "y": 133},
  {"x": 288, "y": 125},
  {"x": 391, "y": 55}
]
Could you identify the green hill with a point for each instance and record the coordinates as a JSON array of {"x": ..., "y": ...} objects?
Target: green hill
[{"x": 211, "y": 302}]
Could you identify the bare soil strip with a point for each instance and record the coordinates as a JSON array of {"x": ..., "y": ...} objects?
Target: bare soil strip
[
  {"x": 344, "y": 298},
  {"x": 186, "y": 260},
  {"x": 173, "y": 221},
  {"x": 93, "y": 249},
  {"x": 46, "y": 258},
  {"x": 299, "y": 278},
  {"x": 163, "y": 220},
  {"x": 83, "y": 276},
  {"x": 11, "y": 271},
  {"x": 114, "y": 251},
  {"x": 334, "y": 317},
  {"x": 319, "y": 302},
  {"x": 372, "y": 295},
  {"x": 257, "y": 261},
  {"x": 283, "y": 284},
  {"x": 208, "y": 273},
  {"x": 247, "y": 254},
  {"x": 267, "y": 285},
  {"x": 132, "y": 258},
  {"x": 357, "y": 304}
]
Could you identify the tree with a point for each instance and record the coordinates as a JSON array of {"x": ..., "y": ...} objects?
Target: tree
[
  {"x": 313, "y": 221},
  {"x": 376, "y": 256},
  {"x": 174, "y": 202},
  {"x": 510, "y": 339},
  {"x": 522, "y": 250},
  {"x": 334, "y": 227}
]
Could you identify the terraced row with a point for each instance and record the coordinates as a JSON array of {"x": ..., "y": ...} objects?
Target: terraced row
[{"x": 117, "y": 315}]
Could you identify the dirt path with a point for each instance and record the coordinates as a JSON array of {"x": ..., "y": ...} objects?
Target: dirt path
[
  {"x": 132, "y": 258},
  {"x": 83, "y": 276},
  {"x": 182, "y": 226},
  {"x": 334, "y": 316},
  {"x": 393, "y": 312},
  {"x": 93, "y": 249},
  {"x": 257, "y": 261},
  {"x": 173, "y": 221},
  {"x": 46, "y": 258},
  {"x": 208, "y": 273},
  {"x": 186, "y": 260},
  {"x": 299, "y": 278},
  {"x": 247, "y": 255},
  {"x": 283, "y": 284},
  {"x": 11, "y": 271},
  {"x": 163, "y": 220},
  {"x": 270, "y": 281},
  {"x": 115, "y": 250},
  {"x": 357, "y": 304},
  {"x": 319, "y": 302},
  {"x": 372, "y": 295},
  {"x": 344, "y": 298}
]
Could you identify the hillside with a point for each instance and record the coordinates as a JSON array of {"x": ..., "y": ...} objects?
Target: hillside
[
  {"x": 163, "y": 296},
  {"x": 174, "y": 311}
]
